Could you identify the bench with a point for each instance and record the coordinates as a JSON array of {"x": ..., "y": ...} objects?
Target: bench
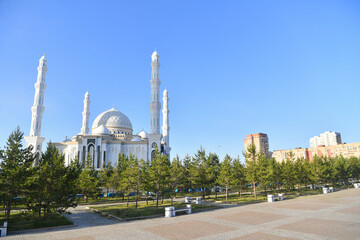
[
  {"x": 3, "y": 229},
  {"x": 171, "y": 212},
  {"x": 190, "y": 200},
  {"x": 272, "y": 198},
  {"x": 331, "y": 189}
]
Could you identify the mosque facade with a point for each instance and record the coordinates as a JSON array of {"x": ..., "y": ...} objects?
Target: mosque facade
[{"x": 111, "y": 132}]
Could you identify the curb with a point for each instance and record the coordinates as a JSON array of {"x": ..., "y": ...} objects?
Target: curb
[{"x": 17, "y": 232}]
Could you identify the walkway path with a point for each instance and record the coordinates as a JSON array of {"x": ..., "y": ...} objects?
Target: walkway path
[{"x": 327, "y": 216}]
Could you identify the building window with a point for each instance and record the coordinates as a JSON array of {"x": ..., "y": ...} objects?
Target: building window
[
  {"x": 83, "y": 156},
  {"x": 98, "y": 157}
]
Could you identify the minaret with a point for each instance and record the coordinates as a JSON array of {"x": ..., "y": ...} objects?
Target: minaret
[
  {"x": 86, "y": 114},
  {"x": 154, "y": 102},
  {"x": 37, "y": 109},
  {"x": 166, "y": 126}
]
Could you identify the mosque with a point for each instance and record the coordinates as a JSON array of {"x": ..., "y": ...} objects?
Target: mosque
[{"x": 111, "y": 132}]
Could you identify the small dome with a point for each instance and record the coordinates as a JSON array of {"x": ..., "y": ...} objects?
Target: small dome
[
  {"x": 67, "y": 139},
  {"x": 101, "y": 130},
  {"x": 155, "y": 56},
  {"x": 136, "y": 139},
  {"x": 113, "y": 119},
  {"x": 143, "y": 134}
]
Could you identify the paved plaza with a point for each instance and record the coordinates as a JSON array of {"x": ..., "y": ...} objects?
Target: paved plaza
[{"x": 327, "y": 216}]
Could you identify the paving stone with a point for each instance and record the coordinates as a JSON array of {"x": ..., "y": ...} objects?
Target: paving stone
[
  {"x": 189, "y": 230},
  {"x": 338, "y": 229},
  {"x": 252, "y": 217},
  {"x": 262, "y": 236}
]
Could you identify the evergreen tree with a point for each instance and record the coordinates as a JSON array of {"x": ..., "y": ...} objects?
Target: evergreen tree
[
  {"x": 342, "y": 167},
  {"x": 56, "y": 183},
  {"x": 239, "y": 175},
  {"x": 251, "y": 159},
  {"x": 15, "y": 164},
  {"x": 212, "y": 171},
  {"x": 263, "y": 171},
  {"x": 176, "y": 175},
  {"x": 226, "y": 174},
  {"x": 198, "y": 171},
  {"x": 130, "y": 177},
  {"x": 88, "y": 181},
  {"x": 159, "y": 174}
]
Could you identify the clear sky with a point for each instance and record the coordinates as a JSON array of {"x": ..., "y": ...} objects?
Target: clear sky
[{"x": 290, "y": 69}]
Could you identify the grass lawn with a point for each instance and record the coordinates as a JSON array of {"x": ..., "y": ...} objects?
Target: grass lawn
[
  {"x": 108, "y": 200},
  {"x": 235, "y": 199},
  {"x": 20, "y": 221},
  {"x": 145, "y": 210}
]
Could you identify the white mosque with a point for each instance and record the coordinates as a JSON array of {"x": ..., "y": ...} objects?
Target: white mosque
[{"x": 111, "y": 132}]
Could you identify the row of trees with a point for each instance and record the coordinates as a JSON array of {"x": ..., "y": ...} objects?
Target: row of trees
[{"x": 51, "y": 186}]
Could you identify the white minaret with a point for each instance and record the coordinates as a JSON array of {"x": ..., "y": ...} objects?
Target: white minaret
[
  {"x": 86, "y": 114},
  {"x": 37, "y": 109},
  {"x": 166, "y": 126},
  {"x": 154, "y": 102}
]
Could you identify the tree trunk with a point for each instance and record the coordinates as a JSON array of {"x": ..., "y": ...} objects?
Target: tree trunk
[
  {"x": 127, "y": 202},
  {"x": 255, "y": 191},
  {"x": 8, "y": 211},
  {"x": 157, "y": 200},
  {"x": 136, "y": 197},
  {"x": 226, "y": 193},
  {"x": 147, "y": 198}
]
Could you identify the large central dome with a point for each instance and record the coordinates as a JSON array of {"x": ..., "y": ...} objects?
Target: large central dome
[{"x": 115, "y": 121}]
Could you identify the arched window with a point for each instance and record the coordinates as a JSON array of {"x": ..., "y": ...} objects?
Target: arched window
[
  {"x": 83, "y": 156},
  {"x": 104, "y": 159},
  {"x": 98, "y": 157},
  {"x": 152, "y": 154}
]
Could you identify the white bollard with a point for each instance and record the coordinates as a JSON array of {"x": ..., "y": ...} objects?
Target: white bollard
[
  {"x": 3, "y": 230},
  {"x": 280, "y": 197},
  {"x": 270, "y": 198},
  {"x": 198, "y": 200},
  {"x": 188, "y": 206},
  {"x": 169, "y": 212},
  {"x": 187, "y": 199},
  {"x": 357, "y": 185},
  {"x": 331, "y": 189},
  {"x": 325, "y": 190}
]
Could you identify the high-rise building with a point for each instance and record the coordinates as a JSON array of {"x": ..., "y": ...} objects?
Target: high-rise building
[
  {"x": 260, "y": 141},
  {"x": 325, "y": 139}
]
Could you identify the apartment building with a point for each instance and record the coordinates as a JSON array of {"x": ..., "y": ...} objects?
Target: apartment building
[
  {"x": 261, "y": 142},
  {"x": 343, "y": 149}
]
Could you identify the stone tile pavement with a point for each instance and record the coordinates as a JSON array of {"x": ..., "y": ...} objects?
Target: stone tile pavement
[{"x": 331, "y": 216}]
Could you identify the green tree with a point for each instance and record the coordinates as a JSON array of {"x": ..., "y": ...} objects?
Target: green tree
[
  {"x": 159, "y": 174},
  {"x": 130, "y": 177},
  {"x": 212, "y": 171},
  {"x": 176, "y": 176},
  {"x": 263, "y": 171},
  {"x": 15, "y": 163},
  {"x": 342, "y": 169},
  {"x": 239, "y": 178},
  {"x": 198, "y": 171},
  {"x": 88, "y": 181},
  {"x": 252, "y": 173},
  {"x": 226, "y": 174},
  {"x": 116, "y": 176},
  {"x": 56, "y": 183}
]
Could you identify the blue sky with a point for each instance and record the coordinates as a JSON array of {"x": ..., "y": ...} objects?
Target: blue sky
[{"x": 290, "y": 69}]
